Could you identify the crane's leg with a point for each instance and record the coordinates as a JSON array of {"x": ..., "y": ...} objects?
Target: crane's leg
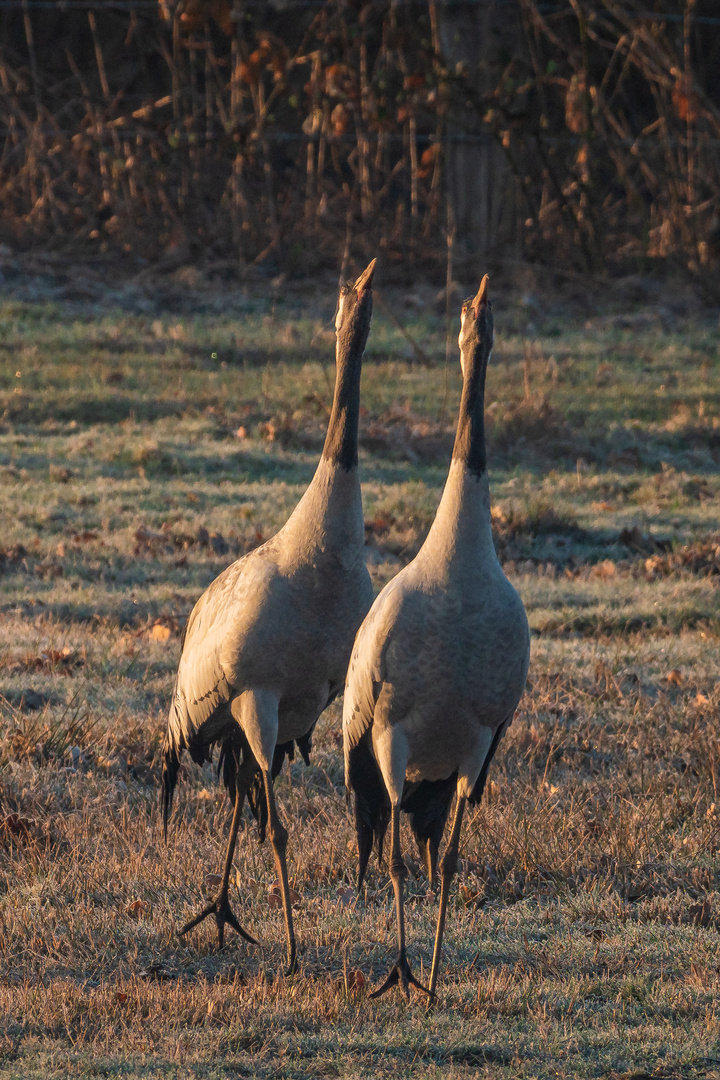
[
  {"x": 401, "y": 972},
  {"x": 257, "y": 713},
  {"x": 447, "y": 871},
  {"x": 279, "y": 838},
  {"x": 220, "y": 907}
]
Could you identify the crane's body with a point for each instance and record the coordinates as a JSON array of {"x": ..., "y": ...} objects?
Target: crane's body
[
  {"x": 281, "y": 620},
  {"x": 438, "y": 665},
  {"x": 443, "y": 637},
  {"x": 267, "y": 644}
]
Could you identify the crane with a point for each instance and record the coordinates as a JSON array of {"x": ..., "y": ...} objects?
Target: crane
[
  {"x": 267, "y": 645},
  {"x": 438, "y": 666}
]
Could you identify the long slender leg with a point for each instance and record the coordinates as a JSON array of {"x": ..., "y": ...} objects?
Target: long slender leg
[
  {"x": 279, "y": 838},
  {"x": 447, "y": 870},
  {"x": 400, "y": 972},
  {"x": 220, "y": 907}
]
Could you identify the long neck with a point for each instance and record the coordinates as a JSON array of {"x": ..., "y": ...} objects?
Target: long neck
[
  {"x": 329, "y": 516},
  {"x": 469, "y": 445},
  {"x": 461, "y": 533},
  {"x": 462, "y": 526},
  {"x": 341, "y": 441}
]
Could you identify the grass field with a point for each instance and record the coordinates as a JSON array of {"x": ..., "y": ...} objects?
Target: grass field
[{"x": 145, "y": 446}]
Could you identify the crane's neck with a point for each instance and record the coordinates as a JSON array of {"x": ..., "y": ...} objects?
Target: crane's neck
[
  {"x": 341, "y": 441},
  {"x": 469, "y": 445},
  {"x": 462, "y": 527},
  {"x": 329, "y": 516},
  {"x": 328, "y": 520}
]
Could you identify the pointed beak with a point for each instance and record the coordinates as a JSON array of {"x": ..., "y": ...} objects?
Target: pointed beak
[
  {"x": 365, "y": 280},
  {"x": 482, "y": 296}
]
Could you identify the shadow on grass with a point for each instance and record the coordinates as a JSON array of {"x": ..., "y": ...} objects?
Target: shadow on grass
[
  {"x": 600, "y": 625},
  {"x": 89, "y": 409}
]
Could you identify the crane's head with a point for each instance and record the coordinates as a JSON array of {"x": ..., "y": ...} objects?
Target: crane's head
[
  {"x": 354, "y": 311},
  {"x": 476, "y": 325}
]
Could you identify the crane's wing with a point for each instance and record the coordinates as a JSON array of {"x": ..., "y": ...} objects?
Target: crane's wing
[
  {"x": 367, "y": 691},
  {"x": 366, "y": 671},
  {"x": 362, "y": 775},
  {"x": 204, "y": 683},
  {"x": 207, "y": 672},
  {"x": 201, "y": 685}
]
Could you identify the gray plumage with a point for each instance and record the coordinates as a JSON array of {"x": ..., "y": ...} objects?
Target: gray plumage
[
  {"x": 440, "y": 662},
  {"x": 267, "y": 645}
]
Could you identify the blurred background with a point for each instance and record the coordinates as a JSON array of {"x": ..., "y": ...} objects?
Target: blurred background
[{"x": 582, "y": 135}]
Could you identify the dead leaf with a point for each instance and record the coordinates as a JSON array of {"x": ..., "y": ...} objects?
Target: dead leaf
[
  {"x": 64, "y": 660},
  {"x": 355, "y": 981},
  {"x": 84, "y": 537},
  {"x": 605, "y": 569},
  {"x": 701, "y": 700},
  {"x": 213, "y": 881},
  {"x": 251, "y": 883},
  {"x": 275, "y": 897},
  {"x": 159, "y": 632},
  {"x": 468, "y": 895},
  {"x": 603, "y": 507},
  {"x": 346, "y": 897},
  {"x": 241, "y": 433},
  {"x": 675, "y": 677},
  {"x": 121, "y": 997},
  {"x": 137, "y": 909},
  {"x": 268, "y": 431}
]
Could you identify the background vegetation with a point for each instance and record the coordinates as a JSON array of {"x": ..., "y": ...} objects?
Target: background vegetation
[{"x": 582, "y": 135}]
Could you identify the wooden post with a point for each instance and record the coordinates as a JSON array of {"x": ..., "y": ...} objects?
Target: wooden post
[{"x": 477, "y": 176}]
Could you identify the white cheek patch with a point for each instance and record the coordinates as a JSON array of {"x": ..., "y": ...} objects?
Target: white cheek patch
[
  {"x": 338, "y": 317},
  {"x": 463, "y": 316}
]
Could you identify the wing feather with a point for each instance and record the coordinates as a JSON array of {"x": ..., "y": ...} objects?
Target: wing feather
[
  {"x": 207, "y": 678},
  {"x": 366, "y": 672}
]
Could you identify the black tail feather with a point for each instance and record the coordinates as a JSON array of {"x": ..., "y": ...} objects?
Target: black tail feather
[
  {"x": 372, "y": 805},
  {"x": 305, "y": 745},
  {"x": 365, "y": 838},
  {"x": 427, "y": 805},
  {"x": 477, "y": 791},
  {"x": 233, "y": 749},
  {"x": 227, "y": 767},
  {"x": 170, "y": 769}
]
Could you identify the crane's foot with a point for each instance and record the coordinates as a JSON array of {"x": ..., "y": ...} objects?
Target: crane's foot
[
  {"x": 401, "y": 975},
  {"x": 292, "y": 964},
  {"x": 223, "y": 913},
  {"x": 291, "y": 969}
]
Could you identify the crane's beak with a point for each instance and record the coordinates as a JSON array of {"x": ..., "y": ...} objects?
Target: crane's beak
[
  {"x": 365, "y": 280},
  {"x": 482, "y": 296}
]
